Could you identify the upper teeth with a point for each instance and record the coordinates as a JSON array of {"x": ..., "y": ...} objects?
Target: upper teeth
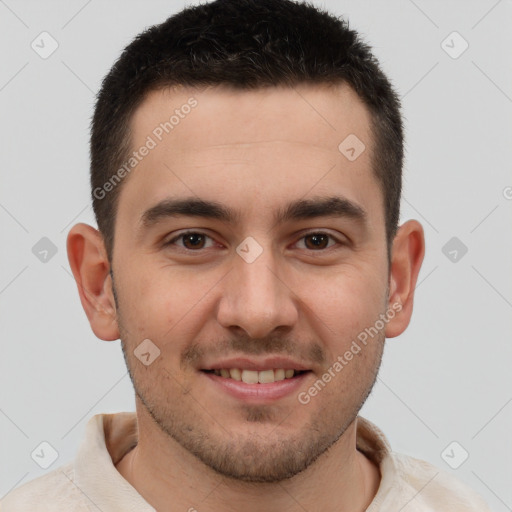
[{"x": 254, "y": 377}]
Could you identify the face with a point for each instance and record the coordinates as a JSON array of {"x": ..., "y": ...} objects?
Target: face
[{"x": 247, "y": 240}]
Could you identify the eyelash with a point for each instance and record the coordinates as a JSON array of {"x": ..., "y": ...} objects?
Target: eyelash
[{"x": 185, "y": 233}]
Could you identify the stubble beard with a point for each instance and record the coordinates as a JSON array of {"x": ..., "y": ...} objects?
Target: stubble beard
[{"x": 251, "y": 456}]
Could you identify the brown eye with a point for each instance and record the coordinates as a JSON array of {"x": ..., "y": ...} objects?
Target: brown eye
[
  {"x": 191, "y": 240},
  {"x": 315, "y": 241}
]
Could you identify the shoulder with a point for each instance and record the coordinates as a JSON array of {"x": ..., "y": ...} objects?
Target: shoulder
[
  {"x": 430, "y": 488},
  {"x": 412, "y": 484},
  {"x": 52, "y": 492}
]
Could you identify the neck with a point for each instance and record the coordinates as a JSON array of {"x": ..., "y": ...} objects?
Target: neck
[{"x": 167, "y": 476}]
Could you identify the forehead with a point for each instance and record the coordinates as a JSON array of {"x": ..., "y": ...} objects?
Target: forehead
[
  {"x": 236, "y": 145},
  {"x": 223, "y": 115}
]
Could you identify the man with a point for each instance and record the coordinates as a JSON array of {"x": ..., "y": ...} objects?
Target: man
[{"x": 246, "y": 162}]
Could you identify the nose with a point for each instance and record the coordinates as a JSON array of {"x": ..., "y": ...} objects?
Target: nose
[{"x": 257, "y": 298}]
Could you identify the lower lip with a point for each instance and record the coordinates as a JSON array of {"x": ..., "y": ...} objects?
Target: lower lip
[{"x": 258, "y": 392}]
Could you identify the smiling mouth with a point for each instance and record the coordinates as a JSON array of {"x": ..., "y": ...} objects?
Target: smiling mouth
[{"x": 257, "y": 377}]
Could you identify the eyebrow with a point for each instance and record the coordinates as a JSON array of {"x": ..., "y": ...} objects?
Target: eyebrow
[{"x": 302, "y": 209}]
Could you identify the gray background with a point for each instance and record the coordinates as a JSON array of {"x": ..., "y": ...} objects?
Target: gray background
[{"x": 445, "y": 379}]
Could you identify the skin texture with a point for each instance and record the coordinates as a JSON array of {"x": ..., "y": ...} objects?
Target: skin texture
[{"x": 253, "y": 152}]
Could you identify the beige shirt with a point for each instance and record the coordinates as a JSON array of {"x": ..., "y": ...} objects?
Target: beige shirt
[{"x": 92, "y": 483}]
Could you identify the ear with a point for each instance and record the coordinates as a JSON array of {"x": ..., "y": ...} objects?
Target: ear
[
  {"x": 90, "y": 266},
  {"x": 406, "y": 259}
]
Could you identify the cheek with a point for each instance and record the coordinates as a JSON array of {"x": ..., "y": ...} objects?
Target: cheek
[
  {"x": 346, "y": 301},
  {"x": 160, "y": 301}
]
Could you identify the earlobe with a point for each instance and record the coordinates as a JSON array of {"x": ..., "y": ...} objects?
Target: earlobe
[
  {"x": 90, "y": 266},
  {"x": 406, "y": 259}
]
